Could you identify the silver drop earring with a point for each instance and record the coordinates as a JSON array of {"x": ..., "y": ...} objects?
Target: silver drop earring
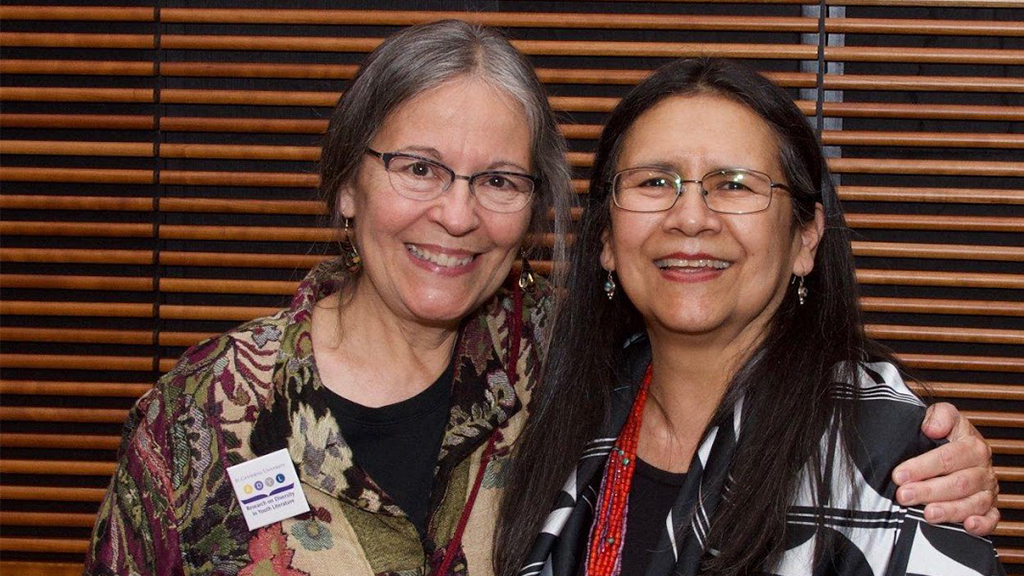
[
  {"x": 609, "y": 285},
  {"x": 801, "y": 292}
]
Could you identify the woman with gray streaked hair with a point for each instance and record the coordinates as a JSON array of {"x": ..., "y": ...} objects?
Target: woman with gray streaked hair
[{"x": 386, "y": 397}]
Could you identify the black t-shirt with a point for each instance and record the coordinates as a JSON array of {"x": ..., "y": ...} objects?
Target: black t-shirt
[
  {"x": 651, "y": 496},
  {"x": 398, "y": 444}
]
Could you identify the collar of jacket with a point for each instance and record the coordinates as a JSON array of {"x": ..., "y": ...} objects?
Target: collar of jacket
[{"x": 296, "y": 416}]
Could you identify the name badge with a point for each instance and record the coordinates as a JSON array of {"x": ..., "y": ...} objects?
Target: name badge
[{"x": 268, "y": 489}]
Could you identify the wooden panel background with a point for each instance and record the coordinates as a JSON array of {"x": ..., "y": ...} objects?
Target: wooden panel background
[{"x": 158, "y": 165}]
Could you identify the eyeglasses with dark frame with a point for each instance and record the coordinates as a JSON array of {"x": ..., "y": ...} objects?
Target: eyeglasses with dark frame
[
  {"x": 418, "y": 178},
  {"x": 727, "y": 191}
]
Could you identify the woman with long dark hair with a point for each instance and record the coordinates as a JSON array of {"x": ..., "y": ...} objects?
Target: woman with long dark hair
[{"x": 747, "y": 425}]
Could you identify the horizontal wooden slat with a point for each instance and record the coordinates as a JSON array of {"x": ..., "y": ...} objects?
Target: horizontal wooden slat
[
  {"x": 881, "y": 82},
  {"x": 77, "y": 121},
  {"x": 929, "y": 278},
  {"x": 76, "y": 309},
  {"x": 183, "y": 339},
  {"x": 220, "y": 286},
  {"x": 284, "y": 261},
  {"x": 241, "y": 313},
  {"x": 54, "y": 282},
  {"x": 47, "y": 568},
  {"x": 59, "y": 441},
  {"x": 997, "y": 419},
  {"x": 932, "y": 195},
  {"x": 63, "y": 519},
  {"x": 70, "y": 148},
  {"x": 1006, "y": 446},
  {"x": 927, "y": 167},
  {"x": 268, "y": 125},
  {"x": 248, "y": 206},
  {"x": 54, "y": 202},
  {"x": 76, "y": 229},
  {"x": 944, "y": 222},
  {"x": 72, "y": 40},
  {"x": 951, "y": 362},
  {"x": 944, "y": 251},
  {"x": 256, "y": 179},
  {"x": 971, "y": 390},
  {"x": 945, "y": 334},
  {"x": 78, "y": 256},
  {"x": 942, "y": 306},
  {"x": 241, "y": 152},
  {"x": 1009, "y": 473},
  {"x": 918, "y": 139},
  {"x": 88, "y": 13},
  {"x": 80, "y": 335},
  {"x": 922, "y": 111},
  {"x": 58, "y": 388},
  {"x": 51, "y": 414},
  {"x": 56, "y": 493},
  {"x": 69, "y": 467},
  {"x": 248, "y": 233},
  {"x": 75, "y": 362},
  {"x": 72, "y": 94},
  {"x": 78, "y": 175},
  {"x": 78, "y": 67},
  {"x": 49, "y": 545}
]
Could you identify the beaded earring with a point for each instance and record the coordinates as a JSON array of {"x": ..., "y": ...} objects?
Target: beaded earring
[
  {"x": 609, "y": 285},
  {"x": 801, "y": 292},
  {"x": 526, "y": 279},
  {"x": 349, "y": 253}
]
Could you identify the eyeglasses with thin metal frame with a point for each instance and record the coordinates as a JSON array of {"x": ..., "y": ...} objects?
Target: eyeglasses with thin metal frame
[
  {"x": 727, "y": 191},
  {"x": 418, "y": 178}
]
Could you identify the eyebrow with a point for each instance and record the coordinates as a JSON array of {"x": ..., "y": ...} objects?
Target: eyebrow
[{"x": 435, "y": 155}]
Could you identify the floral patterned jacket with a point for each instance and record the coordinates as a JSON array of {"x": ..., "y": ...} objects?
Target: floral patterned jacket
[{"x": 170, "y": 507}]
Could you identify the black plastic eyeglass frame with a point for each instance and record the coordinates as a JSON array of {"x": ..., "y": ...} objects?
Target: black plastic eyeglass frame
[
  {"x": 387, "y": 157},
  {"x": 680, "y": 182}
]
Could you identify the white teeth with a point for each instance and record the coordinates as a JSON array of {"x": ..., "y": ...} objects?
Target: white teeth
[
  {"x": 683, "y": 263},
  {"x": 444, "y": 260}
]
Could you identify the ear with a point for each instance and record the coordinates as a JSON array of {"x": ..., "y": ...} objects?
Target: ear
[
  {"x": 810, "y": 236},
  {"x": 346, "y": 201},
  {"x": 607, "y": 256}
]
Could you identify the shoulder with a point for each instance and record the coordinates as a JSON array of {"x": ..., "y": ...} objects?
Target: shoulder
[
  {"x": 246, "y": 353},
  {"x": 886, "y": 422}
]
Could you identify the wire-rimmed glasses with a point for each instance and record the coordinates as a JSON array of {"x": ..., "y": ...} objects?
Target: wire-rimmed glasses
[
  {"x": 418, "y": 178},
  {"x": 728, "y": 191}
]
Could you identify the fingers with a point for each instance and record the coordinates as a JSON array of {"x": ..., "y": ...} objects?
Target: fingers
[
  {"x": 983, "y": 525},
  {"x": 970, "y": 451},
  {"x": 942, "y": 420}
]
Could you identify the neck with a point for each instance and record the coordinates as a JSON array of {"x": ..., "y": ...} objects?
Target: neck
[
  {"x": 369, "y": 355},
  {"x": 690, "y": 377}
]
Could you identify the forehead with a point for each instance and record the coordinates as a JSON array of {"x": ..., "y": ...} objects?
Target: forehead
[
  {"x": 700, "y": 133},
  {"x": 467, "y": 103}
]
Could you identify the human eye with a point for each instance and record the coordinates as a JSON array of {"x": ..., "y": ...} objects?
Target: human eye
[
  {"x": 732, "y": 183},
  {"x": 416, "y": 168}
]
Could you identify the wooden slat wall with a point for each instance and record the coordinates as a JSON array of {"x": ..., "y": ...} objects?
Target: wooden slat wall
[{"x": 158, "y": 168}]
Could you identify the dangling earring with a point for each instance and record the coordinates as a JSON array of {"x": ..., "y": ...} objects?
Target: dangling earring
[
  {"x": 349, "y": 253},
  {"x": 525, "y": 272},
  {"x": 609, "y": 285},
  {"x": 801, "y": 291}
]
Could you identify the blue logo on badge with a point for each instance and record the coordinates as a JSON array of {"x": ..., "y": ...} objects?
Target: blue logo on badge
[{"x": 280, "y": 478}]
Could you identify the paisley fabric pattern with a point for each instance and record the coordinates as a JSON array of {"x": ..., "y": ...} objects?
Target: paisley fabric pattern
[
  {"x": 170, "y": 508},
  {"x": 880, "y": 537}
]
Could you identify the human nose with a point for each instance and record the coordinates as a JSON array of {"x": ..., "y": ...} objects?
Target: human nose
[
  {"x": 690, "y": 214},
  {"x": 456, "y": 208}
]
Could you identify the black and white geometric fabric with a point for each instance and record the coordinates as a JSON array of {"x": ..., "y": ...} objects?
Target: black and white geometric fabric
[{"x": 878, "y": 536}]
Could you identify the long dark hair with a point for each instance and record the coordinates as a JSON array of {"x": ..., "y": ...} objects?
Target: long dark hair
[{"x": 784, "y": 382}]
